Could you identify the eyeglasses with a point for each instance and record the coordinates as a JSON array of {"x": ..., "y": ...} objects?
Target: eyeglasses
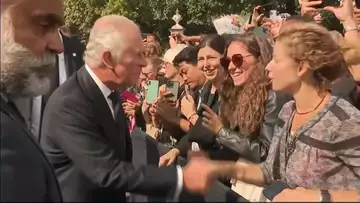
[
  {"x": 236, "y": 59},
  {"x": 146, "y": 75}
]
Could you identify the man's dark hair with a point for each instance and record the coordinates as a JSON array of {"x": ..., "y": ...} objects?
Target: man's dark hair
[{"x": 187, "y": 55}]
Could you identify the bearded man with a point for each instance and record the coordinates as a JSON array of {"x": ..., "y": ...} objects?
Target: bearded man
[{"x": 29, "y": 44}]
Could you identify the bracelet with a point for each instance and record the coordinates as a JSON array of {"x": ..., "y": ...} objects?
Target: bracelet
[{"x": 189, "y": 118}]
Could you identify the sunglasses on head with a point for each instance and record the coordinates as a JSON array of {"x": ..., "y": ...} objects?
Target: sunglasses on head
[{"x": 236, "y": 59}]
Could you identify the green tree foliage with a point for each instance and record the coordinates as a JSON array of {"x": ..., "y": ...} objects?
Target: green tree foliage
[
  {"x": 152, "y": 15},
  {"x": 156, "y": 15}
]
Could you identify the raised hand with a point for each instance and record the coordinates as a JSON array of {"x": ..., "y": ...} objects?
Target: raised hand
[
  {"x": 187, "y": 106},
  {"x": 308, "y": 7},
  {"x": 257, "y": 16},
  {"x": 129, "y": 108},
  {"x": 344, "y": 12},
  {"x": 211, "y": 120},
  {"x": 166, "y": 110},
  {"x": 169, "y": 158}
]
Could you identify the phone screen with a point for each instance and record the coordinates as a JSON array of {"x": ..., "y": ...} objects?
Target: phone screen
[
  {"x": 173, "y": 87},
  {"x": 152, "y": 91},
  {"x": 260, "y": 31}
]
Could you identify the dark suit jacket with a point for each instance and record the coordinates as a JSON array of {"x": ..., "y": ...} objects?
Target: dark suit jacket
[
  {"x": 26, "y": 174},
  {"x": 73, "y": 54},
  {"x": 91, "y": 153}
]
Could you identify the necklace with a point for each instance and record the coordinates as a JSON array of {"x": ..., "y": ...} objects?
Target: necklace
[{"x": 317, "y": 106}]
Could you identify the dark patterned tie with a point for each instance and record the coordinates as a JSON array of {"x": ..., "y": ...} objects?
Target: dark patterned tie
[{"x": 115, "y": 98}]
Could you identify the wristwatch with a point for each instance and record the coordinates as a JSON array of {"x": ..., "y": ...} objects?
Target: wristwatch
[{"x": 325, "y": 196}]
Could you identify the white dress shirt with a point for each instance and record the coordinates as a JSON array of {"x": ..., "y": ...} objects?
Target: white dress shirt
[{"x": 106, "y": 92}]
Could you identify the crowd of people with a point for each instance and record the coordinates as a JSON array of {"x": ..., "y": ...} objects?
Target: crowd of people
[{"x": 272, "y": 112}]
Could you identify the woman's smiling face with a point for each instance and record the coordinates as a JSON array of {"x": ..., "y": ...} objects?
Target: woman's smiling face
[{"x": 209, "y": 62}]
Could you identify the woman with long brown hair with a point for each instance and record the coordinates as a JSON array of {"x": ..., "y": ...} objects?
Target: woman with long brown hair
[
  {"x": 248, "y": 107},
  {"x": 316, "y": 141}
]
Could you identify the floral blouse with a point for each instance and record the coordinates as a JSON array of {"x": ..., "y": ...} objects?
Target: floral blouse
[{"x": 323, "y": 154}]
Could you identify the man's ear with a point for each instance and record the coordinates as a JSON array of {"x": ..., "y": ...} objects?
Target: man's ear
[{"x": 107, "y": 60}]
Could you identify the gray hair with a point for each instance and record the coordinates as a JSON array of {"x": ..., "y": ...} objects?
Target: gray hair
[{"x": 108, "y": 37}]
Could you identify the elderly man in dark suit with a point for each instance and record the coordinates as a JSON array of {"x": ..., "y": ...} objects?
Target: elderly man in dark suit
[
  {"x": 67, "y": 63},
  {"x": 29, "y": 44},
  {"x": 85, "y": 134}
]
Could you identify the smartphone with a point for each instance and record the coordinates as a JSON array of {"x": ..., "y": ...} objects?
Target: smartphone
[
  {"x": 260, "y": 31},
  {"x": 326, "y": 3},
  {"x": 152, "y": 91},
  {"x": 162, "y": 80},
  {"x": 129, "y": 96},
  {"x": 173, "y": 87}
]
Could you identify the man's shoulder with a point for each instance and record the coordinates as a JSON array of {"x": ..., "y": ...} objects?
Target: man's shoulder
[{"x": 68, "y": 93}]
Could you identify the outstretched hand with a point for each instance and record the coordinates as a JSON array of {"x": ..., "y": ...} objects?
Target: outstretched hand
[
  {"x": 199, "y": 173},
  {"x": 344, "y": 12}
]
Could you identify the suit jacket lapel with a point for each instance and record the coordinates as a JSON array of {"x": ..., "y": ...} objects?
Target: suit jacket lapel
[
  {"x": 14, "y": 115},
  {"x": 68, "y": 55},
  {"x": 103, "y": 113}
]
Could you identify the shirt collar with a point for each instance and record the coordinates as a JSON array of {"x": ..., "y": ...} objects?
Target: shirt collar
[
  {"x": 60, "y": 35},
  {"x": 103, "y": 88}
]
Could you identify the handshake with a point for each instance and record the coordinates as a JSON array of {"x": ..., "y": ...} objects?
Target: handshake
[{"x": 200, "y": 172}]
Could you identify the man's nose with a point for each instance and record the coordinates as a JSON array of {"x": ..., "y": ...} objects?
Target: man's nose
[{"x": 55, "y": 43}]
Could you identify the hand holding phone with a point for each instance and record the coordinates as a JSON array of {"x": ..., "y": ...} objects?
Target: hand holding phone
[
  {"x": 173, "y": 87},
  {"x": 342, "y": 11},
  {"x": 152, "y": 91}
]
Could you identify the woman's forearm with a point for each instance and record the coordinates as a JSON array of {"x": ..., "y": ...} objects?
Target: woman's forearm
[
  {"x": 345, "y": 196},
  {"x": 193, "y": 119},
  {"x": 249, "y": 173},
  {"x": 352, "y": 35}
]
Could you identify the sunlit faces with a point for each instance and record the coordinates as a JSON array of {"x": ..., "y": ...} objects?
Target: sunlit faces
[
  {"x": 242, "y": 63},
  {"x": 170, "y": 70},
  {"x": 147, "y": 73},
  {"x": 284, "y": 70},
  {"x": 209, "y": 62},
  {"x": 190, "y": 74}
]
